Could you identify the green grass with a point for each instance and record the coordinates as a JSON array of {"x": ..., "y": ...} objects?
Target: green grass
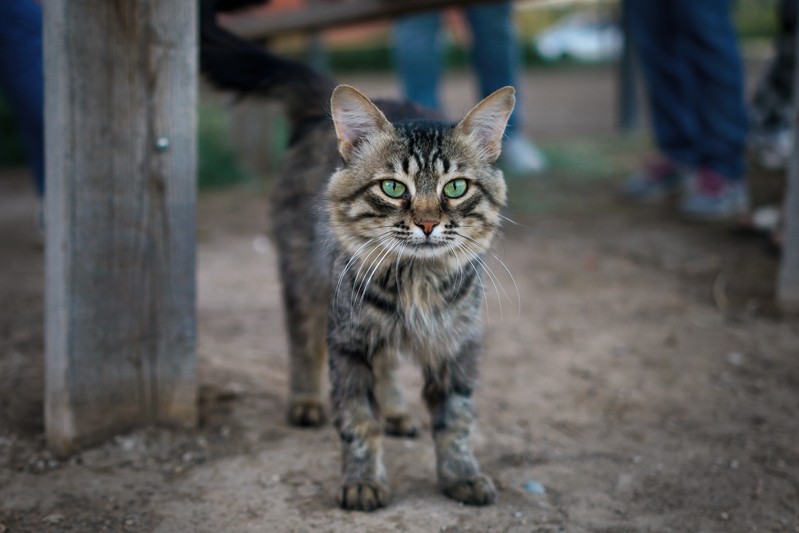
[{"x": 218, "y": 165}]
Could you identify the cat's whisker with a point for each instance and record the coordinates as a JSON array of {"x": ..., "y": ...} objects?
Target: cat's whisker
[
  {"x": 377, "y": 246},
  {"x": 503, "y": 217},
  {"x": 356, "y": 285},
  {"x": 352, "y": 259},
  {"x": 396, "y": 273},
  {"x": 491, "y": 276},
  {"x": 479, "y": 278},
  {"x": 374, "y": 271},
  {"x": 510, "y": 274},
  {"x": 454, "y": 250}
]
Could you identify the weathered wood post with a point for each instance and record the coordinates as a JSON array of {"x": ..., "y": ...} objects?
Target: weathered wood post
[
  {"x": 120, "y": 107},
  {"x": 788, "y": 279}
]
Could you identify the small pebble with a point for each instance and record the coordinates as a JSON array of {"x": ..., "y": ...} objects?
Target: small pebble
[
  {"x": 187, "y": 457},
  {"x": 725, "y": 516},
  {"x": 276, "y": 479},
  {"x": 637, "y": 459},
  {"x": 517, "y": 514},
  {"x": 261, "y": 245},
  {"x": 735, "y": 358},
  {"x": 734, "y": 464},
  {"x": 52, "y": 519},
  {"x": 534, "y": 487},
  {"x": 623, "y": 482}
]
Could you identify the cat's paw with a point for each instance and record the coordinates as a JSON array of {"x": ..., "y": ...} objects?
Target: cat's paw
[
  {"x": 477, "y": 490},
  {"x": 400, "y": 426},
  {"x": 362, "y": 496},
  {"x": 306, "y": 413}
]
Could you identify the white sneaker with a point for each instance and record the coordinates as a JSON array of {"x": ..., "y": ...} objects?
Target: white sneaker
[{"x": 520, "y": 157}]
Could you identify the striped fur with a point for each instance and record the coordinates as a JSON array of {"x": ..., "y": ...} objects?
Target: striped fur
[
  {"x": 390, "y": 289},
  {"x": 367, "y": 277}
]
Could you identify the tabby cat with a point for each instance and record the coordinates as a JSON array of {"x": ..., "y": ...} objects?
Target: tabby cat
[{"x": 381, "y": 218}]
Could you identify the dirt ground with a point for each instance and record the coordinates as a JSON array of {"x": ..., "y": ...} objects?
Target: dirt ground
[{"x": 642, "y": 381}]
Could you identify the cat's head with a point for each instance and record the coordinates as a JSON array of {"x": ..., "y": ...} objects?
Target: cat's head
[{"x": 419, "y": 189}]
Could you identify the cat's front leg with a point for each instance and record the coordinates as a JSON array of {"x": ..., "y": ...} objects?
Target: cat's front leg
[
  {"x": 357, "y": 418},
  {"x": 398, "y": 422},
  {"x": 447, "y": 392}
]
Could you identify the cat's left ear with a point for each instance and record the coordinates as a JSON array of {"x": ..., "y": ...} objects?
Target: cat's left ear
[
  {"x": 486, "y": 122},
  {"x": 356, "y": 119}
]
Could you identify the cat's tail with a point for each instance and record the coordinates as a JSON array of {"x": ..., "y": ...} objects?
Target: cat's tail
[{"x": 232, "y": 63}]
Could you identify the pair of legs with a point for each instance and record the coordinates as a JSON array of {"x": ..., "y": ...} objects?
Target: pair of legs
[
  {"x": 367, "y": 401},
  {"x": 363, "y": 389},
  {"x": 419, "y": 59},
  {"x": 689, "y": 55},
  {"x": 419, "y": 53}
]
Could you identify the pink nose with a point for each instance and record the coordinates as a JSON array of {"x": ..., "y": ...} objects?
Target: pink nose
[{"x": 427, "y": 226}]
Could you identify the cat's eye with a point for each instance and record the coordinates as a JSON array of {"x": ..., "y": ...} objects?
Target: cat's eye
[
  {"x": 393, "y": 188},
  {"x": 455, "y": 188}
]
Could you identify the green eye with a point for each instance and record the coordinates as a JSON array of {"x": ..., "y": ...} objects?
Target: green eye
[
  {"x": 455, "y": 188},
  {"x": 393, "y": 188}
]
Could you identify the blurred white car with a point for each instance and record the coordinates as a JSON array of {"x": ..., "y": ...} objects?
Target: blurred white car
[{"x": 581, "y": 36}]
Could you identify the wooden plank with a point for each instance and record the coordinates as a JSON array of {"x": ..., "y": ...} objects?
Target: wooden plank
[
  {"x": 121, "y": 79},
  {"x": 326, "y": 15}
]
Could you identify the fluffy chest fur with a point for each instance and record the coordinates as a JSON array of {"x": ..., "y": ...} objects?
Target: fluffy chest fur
[{"x": 420, "y": 308}]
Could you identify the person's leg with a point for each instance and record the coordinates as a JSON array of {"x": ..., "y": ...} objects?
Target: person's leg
[
  {"x": 719, "y": 99},
  {"x": 658, "y": 33},
  {"x": 717, "y": 190},
  {"x": 418, "y": 57},
  {"x": 497, "y": 60},
  {"x": 22, "y": 76},
  {"x": 495, "y": 52}
]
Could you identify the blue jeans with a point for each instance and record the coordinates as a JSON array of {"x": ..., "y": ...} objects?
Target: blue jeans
[
  {"x": 418, "y": 54},
  {"x": 22, "y": 76},
  {"x": 689, "y": 55}
]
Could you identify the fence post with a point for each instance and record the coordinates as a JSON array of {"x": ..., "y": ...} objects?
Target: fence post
[{"x": 120, "y": 108}]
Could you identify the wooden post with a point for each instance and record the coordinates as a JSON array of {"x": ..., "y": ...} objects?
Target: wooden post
[
  {"x": 788, "y": 278},
  {"x": 120, "y": 107}
]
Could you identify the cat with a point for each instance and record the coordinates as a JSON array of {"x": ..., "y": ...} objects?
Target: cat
[{"x": 381, "y": 217}]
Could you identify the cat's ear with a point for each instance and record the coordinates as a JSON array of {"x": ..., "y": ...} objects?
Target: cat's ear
[
  {"x": 356, "y": 119},
  {"x": 486, "y": 122}
]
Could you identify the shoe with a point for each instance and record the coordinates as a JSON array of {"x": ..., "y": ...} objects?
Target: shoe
[
  {"x": 658, "y": 180},
  {"x": 773, "y": 149},
  {"x": 711, "y": 196},
  {"x": 521, "y": 157}
]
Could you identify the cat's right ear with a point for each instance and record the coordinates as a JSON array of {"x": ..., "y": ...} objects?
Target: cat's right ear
[{"x": 356, "y": 119}]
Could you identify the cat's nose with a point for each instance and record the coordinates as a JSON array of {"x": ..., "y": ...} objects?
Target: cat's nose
[{"x": 427, "y": 226}]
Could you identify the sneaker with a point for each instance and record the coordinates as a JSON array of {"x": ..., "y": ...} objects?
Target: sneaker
[
  {"x": 711, "y": 196},
  {"x": 658, "y": 180},
  {"x": 521, "y": 157},
  {"x": 773, "y": 149}
]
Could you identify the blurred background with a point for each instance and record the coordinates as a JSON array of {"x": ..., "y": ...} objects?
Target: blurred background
[{"x": 570, "y": 50}]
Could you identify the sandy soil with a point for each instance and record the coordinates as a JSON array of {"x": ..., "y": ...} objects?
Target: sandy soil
[{"x": 641, "y": 381}]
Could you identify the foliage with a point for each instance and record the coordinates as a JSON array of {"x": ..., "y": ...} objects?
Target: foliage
[{"x": 218, "y": 164}]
